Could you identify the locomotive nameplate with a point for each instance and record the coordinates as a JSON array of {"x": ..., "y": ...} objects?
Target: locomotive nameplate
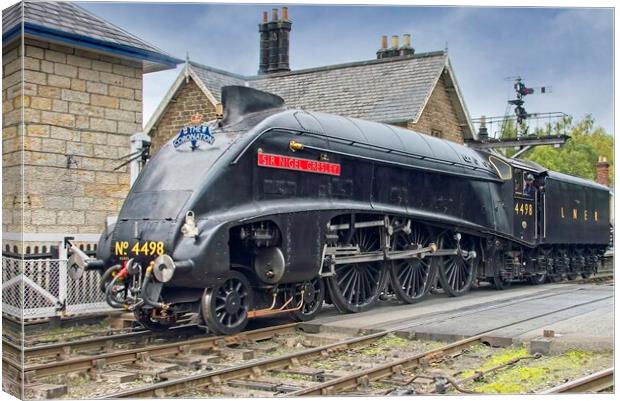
[{"x": 297, "y": 164}]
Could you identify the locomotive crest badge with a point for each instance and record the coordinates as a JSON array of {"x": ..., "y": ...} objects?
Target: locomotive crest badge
[{"x": 194, "y": 133}]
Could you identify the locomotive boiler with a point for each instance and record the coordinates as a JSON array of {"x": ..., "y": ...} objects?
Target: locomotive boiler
[{"x": 273, "y": 210}]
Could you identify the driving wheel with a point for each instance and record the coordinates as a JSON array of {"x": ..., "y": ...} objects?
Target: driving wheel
[
  {"x": 456, "y": 273},
  {"x": 356, "y": 287},
  {"x": 411, "y": 279}
]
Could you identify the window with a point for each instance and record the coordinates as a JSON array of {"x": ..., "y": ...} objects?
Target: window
[
  {"x": 501, "y": 167},
  {"x": 436, "y": 132}
]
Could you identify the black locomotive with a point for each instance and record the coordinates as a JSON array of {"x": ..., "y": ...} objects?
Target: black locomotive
[{"x": 269, "y": 210}]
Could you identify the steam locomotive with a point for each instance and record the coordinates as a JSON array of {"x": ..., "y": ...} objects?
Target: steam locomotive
[{"x": 269, "y": 210}]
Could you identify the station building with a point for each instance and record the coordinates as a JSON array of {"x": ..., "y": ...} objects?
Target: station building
[
  {"x": 418, "y": 91},
  {"x": 71, "y": 99}
]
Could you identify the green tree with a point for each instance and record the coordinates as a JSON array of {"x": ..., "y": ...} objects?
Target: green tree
[{"x": 579, "y": 155}]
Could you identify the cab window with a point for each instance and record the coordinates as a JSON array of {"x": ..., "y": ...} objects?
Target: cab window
[{"x": 518, "y": 182}]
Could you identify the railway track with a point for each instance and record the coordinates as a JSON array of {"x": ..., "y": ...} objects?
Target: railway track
[
  {"x": 49, "y": 359},
  {"x": 94, "y": 355},
  {"x": 594, "y": 383},
  {"x": 248, "y": 373}
]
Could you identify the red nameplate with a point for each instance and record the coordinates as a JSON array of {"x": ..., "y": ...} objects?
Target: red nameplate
[{"x": 294, "y": 163}]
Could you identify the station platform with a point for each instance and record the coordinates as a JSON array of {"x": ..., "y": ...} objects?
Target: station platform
[{"x": 577, "y": 315}]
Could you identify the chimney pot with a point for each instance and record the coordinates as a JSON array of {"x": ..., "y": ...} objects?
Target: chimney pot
[
  {"x": 407, "y": 40},
  {"x": 384, "y": 42},
  {"x": 285, "y": 13},
  {"x": 395, "y": 41},
  {"x": 265, "y": 17},
  {"x": 602, "y": 171},
  {"x": 274, "y": 14}
]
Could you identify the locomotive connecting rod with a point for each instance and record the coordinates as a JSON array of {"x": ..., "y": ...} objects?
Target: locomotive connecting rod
[
  {"x": 429, "y": 251},
  {"x": 391, "y": 255}
]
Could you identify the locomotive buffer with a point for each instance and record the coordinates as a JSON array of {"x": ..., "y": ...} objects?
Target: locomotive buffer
[{"x": 524, "y": 140}]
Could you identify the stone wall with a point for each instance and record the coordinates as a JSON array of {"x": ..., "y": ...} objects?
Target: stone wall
[
  {"x": 12, "y": 131},
  {"x": 79, "y": 110},
  {"x": 188, "y": 101},
  {"x": 439, "y": 117}
]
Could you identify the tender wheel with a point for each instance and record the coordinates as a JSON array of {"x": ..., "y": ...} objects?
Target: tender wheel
[
  {"x": 225, "y": 306},
  {"x": 456, "y": 274},
  {"x": 411, "y": 279},
  {"x": 538, "y": 279},
  {"x": 144, "y": 318},
  {"x": 561, "y": 266},
  {"x": 314, "y": 295},
  {"x": 356, "y": 287},
  {"x": 501, "y": 283}
]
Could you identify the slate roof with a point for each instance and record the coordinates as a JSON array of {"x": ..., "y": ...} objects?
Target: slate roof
[
  {"x": 392, "y": 90},
  {"x": 376, "y": 90},
  {"x": 67, "y": 22}
]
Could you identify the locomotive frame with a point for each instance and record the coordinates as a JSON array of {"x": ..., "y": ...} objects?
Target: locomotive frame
[{"x": 283, "y": 210}]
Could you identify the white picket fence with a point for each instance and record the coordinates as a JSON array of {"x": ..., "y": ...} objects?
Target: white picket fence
[{"x": 40, "y": 288}]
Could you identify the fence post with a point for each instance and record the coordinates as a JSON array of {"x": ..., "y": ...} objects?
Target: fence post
[{"x": 62, "y": 274}]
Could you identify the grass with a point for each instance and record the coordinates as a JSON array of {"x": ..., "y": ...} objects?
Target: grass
[{"x": 529, "y": 375}]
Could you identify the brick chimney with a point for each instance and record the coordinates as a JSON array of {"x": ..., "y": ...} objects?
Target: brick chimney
[
  {"x": 602, "y": 171},
  {"x": 274, "y": 42},
  {"x": 395, "y": 50},
  {"x": 264, "y": 44}
]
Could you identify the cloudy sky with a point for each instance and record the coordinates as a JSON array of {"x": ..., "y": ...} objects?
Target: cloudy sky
[{"x": 570, "y": 49}]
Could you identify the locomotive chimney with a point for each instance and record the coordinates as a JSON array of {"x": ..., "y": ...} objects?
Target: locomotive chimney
[
  {"x": 602, "y": 171},
  {"x": 263, "y": 29},
  {"x": 383, "y": 49}
]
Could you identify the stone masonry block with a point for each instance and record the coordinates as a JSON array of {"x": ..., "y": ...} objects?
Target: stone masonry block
[
  {"x": 75, "y": 96},
  {"x": 35, "y": 77},
  {"x": 118, "y": 91},
  {"x": 122, "y": 115},
  {"x": 51, "y": 91},
  {"x": 131, "y": 105},
  {"x": 60, "y": 106},
  {"x": 78, "y": 85},
  {"x": 79, "y": 61},
  {"x": 65, "y": 70},
  {"x": 96, "y": 87},
  {"x": 41, "y": 103},
  {"x": 61, "y": 119},
  {"x": 94, "y": 137},
  {"x": 102, "y": 66},
  {"x": 101, "y": 124},
  {"x": 38, "y": 130},
  {"x": 72, "y": 217},
  {"x": 58, "y": 81},
  {"x": 112, "y": 79},
  {"x": 43, "y": 216},
  {"x": 86, "y": 110},
  {"x": 105, "y": 101},
  {"x": 55, "y": 56},
  {"x": 88, "y": 74}
]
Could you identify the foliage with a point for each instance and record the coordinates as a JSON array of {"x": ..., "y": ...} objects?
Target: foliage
[{"x": 578, "y": 156}]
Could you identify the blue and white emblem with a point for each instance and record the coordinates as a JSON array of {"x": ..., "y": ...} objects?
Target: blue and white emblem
[{"x": 194, "y": 134}]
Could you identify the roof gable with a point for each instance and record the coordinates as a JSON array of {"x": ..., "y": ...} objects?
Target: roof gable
[
  {"x": 390, "y": 90},
  {"x": 67, "y": 23}
]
